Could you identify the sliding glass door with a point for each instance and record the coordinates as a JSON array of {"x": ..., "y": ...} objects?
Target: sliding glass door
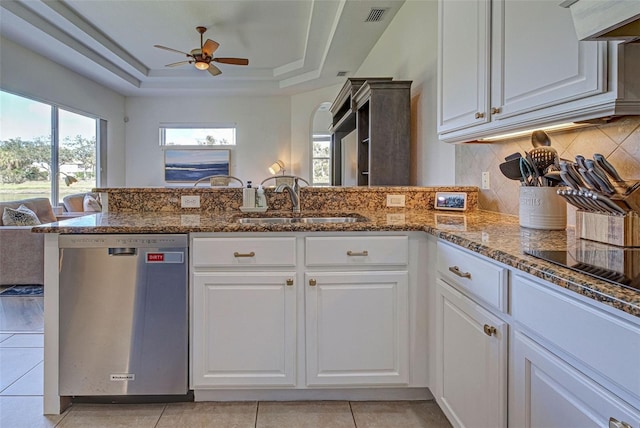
[{"x": 45, "y": 150}]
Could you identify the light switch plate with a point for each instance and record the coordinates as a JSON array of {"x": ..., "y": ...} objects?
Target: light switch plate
[
  {"x": 190, "y": 201},
  {"x": 395, "y": 200}
]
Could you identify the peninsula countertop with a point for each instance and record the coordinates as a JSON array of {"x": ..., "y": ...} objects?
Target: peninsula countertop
[{"x": 494, "y": 235}]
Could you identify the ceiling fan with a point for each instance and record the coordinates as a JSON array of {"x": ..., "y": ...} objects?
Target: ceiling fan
[{"x": 202, "y": 57}]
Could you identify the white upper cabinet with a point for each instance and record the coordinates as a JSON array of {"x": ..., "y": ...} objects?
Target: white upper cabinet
[
  {"x": 506, "y": 66},
  {"x": 463, "y": 63}
]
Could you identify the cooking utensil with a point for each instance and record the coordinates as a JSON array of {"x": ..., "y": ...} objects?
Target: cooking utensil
[
  {"x": 527, "y": 172},
  {"x": 602, "y": 185},
  {"x": 609, "y": 169},
  {"x": 574, "y": 177},
  {"x": 553, "y": 178},
  {"x": 580, "y": 161},
  {"x": 511, "y": 169},
  {"x": 613, "y": 208},
  {"x": 600, "y": 176},
  {"x": 516, "y": 155},
  {"x": 543, "y": 158},
  {"x": 586, "y": 179},
  {"x": 540, "y": 139},
  {"x": 569, "y": 181}
]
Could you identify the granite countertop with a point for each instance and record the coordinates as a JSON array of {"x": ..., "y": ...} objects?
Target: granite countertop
[{"x": 493, "y": 235}]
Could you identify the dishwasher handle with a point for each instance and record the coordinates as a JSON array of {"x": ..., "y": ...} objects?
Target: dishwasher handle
[{"x": 123, "y": 251}]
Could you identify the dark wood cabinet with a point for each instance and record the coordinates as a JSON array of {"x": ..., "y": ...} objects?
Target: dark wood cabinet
[{"x": 379, "y": 111}]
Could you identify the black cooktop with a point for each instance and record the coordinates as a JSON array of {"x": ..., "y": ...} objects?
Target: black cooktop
[{"x": 613, "y": 264}]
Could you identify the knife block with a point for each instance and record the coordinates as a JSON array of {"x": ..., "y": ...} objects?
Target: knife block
[{"x": 622, "y": 231}]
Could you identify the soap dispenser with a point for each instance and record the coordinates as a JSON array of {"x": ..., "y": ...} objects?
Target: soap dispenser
[
  {"x": 261, "y": 199},
  {"x": 249, "y": 196}
]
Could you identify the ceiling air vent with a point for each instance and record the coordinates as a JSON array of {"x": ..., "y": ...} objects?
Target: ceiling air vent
[
  {"x": 376, "y": 14},
  {"x": 341, "y": 73}
]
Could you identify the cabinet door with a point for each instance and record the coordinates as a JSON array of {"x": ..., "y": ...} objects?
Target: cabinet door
[
  {"x": 547, "y": 392},
  {"x": 537, "y": 60},
  {"x": 243, "y": 329},
  {"x": 357, "y": 328},
  {"x": 471, "y": 361},
  {"x": 463, "y": 63}
]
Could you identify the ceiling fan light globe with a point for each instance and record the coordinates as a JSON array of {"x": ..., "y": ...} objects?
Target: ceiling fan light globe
[{"x": 201, "y": 65}]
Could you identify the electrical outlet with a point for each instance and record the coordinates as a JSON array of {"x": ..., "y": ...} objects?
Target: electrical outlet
[
  {"x": 395, "y": 200},
  {"x": 190, "y": 201},
  {"x": 486, "y": 183}
]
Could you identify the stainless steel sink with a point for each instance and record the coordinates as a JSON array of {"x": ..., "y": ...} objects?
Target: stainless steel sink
[{"x": 286, "y": 220}]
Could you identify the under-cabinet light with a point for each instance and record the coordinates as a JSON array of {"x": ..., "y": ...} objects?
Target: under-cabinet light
[{"x": 561, "y": 126}]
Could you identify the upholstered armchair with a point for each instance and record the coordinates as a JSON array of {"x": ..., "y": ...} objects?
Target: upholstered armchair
[{"x": 21, "y": 251}]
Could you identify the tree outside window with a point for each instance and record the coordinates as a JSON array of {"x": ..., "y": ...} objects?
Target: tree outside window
[
  {"x": 321, "y": 160},
  {"x": 32, "y": 163}
]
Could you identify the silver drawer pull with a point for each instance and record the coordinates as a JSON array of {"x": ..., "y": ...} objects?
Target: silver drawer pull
[
  {"x": 457, "y": 271},
  {"x": 237, "y": 254},
  {"x": 356, "y": 253}
]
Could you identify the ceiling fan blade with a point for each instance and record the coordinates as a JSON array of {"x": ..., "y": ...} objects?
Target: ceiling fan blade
[
  {"x": 234, "y": 61},
  {"x": 173, "y": 64},
  {"x": 170, "y": 49},
  {"x": 214, "y": 70},
  {"x": 209, "y": 47}
]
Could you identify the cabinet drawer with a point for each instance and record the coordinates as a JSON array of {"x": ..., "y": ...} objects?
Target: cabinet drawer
[
  {"x": 473, "y": 275},
  {"x": 607, "y": 344},
  {"x": 244, "y": 252},
  {"x": 357, "y": 250}
]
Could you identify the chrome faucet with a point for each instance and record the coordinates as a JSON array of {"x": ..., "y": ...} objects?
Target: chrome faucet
[{"x": 294, "y": 193}]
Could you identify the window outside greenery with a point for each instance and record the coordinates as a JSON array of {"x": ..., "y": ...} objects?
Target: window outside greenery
[
  {"x": 187, "y": 135},
  {"x": 28, "y": 166},
  {"x": 321, "y": 160}
]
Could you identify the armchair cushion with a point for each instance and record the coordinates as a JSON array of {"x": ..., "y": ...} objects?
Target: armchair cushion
[
  {"x": 40, "y": 206},
  {"x": 21, "y": 216}
]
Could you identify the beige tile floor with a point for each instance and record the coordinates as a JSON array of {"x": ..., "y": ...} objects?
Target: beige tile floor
[{"x": 21, "y": 357}]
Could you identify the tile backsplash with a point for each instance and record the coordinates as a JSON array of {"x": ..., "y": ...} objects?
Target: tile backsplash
[{"x": 618, "y": 141}]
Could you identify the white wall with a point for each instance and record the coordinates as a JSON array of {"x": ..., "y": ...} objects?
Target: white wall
[
  {"x": 262, "y": 136},
  {"x": 303, "y": 109},
  {"x": 26, "y": 73},
  {"x": 407, "y": 50}
]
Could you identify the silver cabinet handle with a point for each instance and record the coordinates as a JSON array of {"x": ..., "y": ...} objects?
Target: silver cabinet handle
[
  {"x": 237, "y": 254},
  {"x": 457, "y": 271},
  {"x": 356, "y": 253}
]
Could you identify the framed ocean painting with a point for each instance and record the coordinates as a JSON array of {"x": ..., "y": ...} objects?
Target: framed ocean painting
[{"x": 182, "y": 166}]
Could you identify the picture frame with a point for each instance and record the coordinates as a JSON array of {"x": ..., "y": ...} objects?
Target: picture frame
[
  {"x": 450, "y": 201},
  {"x": 189, "y": 166}
]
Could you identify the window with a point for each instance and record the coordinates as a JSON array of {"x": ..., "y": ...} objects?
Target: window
[
  {"x": 45, "y": 150},
  {"x": 197, "y": 135},
  {"x": 321, "y": 160}
]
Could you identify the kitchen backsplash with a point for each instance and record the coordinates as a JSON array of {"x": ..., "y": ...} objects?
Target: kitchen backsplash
[
  {"x": 343, "y": 199},
  {"x": 618, "y": 141}
]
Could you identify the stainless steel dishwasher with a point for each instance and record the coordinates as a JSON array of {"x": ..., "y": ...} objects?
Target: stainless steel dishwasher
[{"x": 123, "y": 315}]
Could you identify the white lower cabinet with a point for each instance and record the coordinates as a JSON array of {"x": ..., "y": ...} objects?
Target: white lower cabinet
[
  {"x": 357, "y": 328},
  {"x": 573, "y": 364},
  {"x": 244, "y": 329},
  {"x": 546, "y": 391},
  {"x": 307, "y": 311},
  {"x": 471, "y": 361},
  {"x": 471, "y": 338}
]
